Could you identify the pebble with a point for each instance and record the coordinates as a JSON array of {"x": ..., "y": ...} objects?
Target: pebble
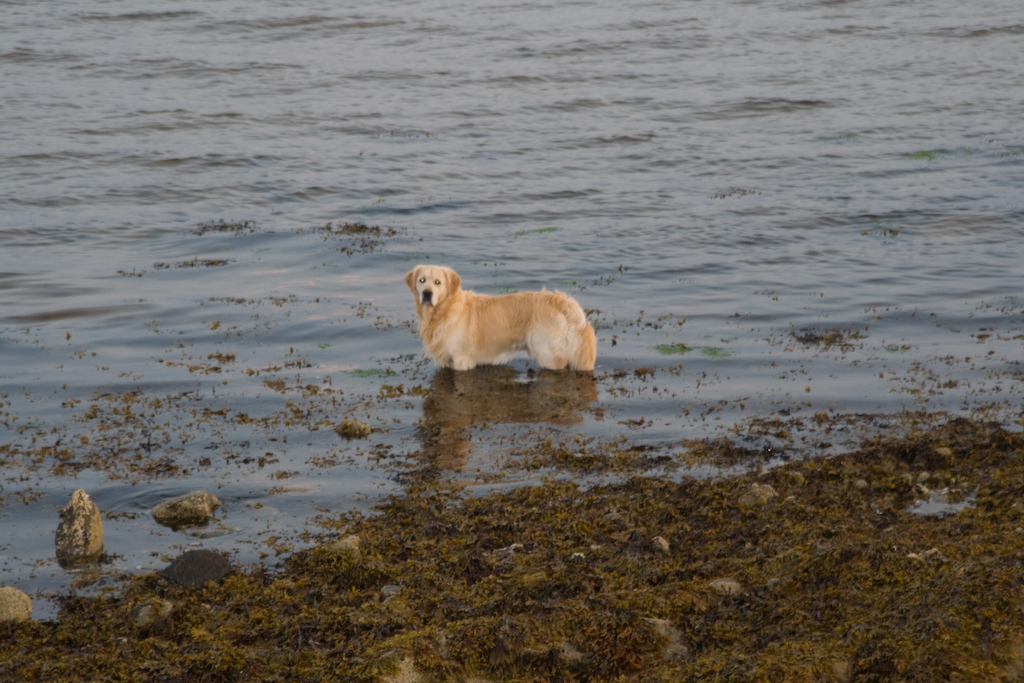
[
  {"x": 727, "y": 586},
  {"x": 758, "y": 495},
  {"x": 192, "y": 569},
  {"x": 14, "y": 605},
  {"x": 345, "y": 546},
  {"x": 613, "y": 517},
  {"x": 660, "y": 544},
  {"x": 191, "y": 509},
  {"x": 79, "y": 537}
]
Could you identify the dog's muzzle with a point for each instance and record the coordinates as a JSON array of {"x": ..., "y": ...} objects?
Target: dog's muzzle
[{"x": 428, "y": 297}]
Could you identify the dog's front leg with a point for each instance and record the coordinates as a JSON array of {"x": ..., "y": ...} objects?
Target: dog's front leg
[{"x": 463, "y": 363}]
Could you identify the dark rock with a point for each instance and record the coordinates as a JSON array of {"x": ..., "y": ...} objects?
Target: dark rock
[{"x": 194, "y": 568}]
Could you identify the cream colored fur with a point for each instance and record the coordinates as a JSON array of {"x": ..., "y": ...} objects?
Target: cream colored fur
[{"x": 462, "y": 329}]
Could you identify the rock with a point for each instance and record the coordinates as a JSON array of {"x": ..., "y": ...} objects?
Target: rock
[
  {"x": 79, "y": 538},
  {"x": 1013, "y": 653},
  {"x": 613, "y": 517},
  {"x": 407, "y": 673},
  {"x": 14, "y": 605},
  {"x": 194, "y": 568},
  {"x": 842, "y": 671},
  {"x": 727, "y": 586},
  {"x": 151, "y": 611},
  {"x": 191, "y": 509},
  {"x": 570, "y": 654},
  {"x": 347, "y": 546},
  {"x": 758, "y": 495},
  {"x": 353, "y": 429},
  {"x": 674, "y": 649},
  {"x": 861, "y": 485},
  {"x": 504, "y": 556},
  {"x": 660, "y": 544}
]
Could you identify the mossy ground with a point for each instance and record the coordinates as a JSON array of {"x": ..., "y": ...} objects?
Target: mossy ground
[{"x": 833, "y": 578}]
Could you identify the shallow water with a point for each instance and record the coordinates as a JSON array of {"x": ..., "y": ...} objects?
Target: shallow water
[{"x": 772, "y": 212}]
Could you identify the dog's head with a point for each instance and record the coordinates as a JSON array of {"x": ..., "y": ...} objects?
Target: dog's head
[{"x": 432, "y": 284}]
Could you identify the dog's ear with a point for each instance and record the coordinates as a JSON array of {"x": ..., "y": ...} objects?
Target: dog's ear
[
  {"x": 454, "y": 281},
  {"x": 410, "y": 278}
]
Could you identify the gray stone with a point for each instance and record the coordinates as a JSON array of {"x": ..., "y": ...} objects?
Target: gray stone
[
  {"x": 14, "y": 605},
  {"x": 79, "y": 538},
  {"x": 194, "y": 568},
  {"x": 151, "y": 611},
  {"x": 191, "y": 509}
]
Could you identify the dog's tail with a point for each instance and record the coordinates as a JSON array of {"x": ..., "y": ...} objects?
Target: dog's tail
[{"x": 582, "y": 340}]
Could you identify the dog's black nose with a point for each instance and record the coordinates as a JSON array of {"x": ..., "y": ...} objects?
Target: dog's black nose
[{"x": 428, "y": 297}]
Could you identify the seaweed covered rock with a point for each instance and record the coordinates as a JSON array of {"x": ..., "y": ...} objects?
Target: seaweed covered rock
[
  {"x": 14, "y": 604},
  {"x": 191, "y": 509},
  {"x": 79, "y": 537},
  {"x": 151, "y": 611},
  {"x": 353, "y": 429}
]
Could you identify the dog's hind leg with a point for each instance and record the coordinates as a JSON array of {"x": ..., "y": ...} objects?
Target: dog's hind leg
[
  {"x": 462, "y": 363},
  {"x": 549, "y": 354}
]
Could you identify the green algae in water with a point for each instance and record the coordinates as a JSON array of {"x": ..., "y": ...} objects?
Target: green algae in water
[
  {"x": 683, "y": 349},
  {"x": 369, "y": 372},
  {"x": 893, "y": 348},
  {"x": 923, "y": 155},
  {"x": 537, "y": 231},
  {"x": 845, "y": 137}
]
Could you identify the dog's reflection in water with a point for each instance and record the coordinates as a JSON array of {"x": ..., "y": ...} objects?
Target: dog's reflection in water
[{"x": 496, "y": 394}]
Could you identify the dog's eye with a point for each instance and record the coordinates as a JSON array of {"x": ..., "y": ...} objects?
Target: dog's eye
[
  {"x": 422, "y": 280},
  {"x": 437, "y": 282}
]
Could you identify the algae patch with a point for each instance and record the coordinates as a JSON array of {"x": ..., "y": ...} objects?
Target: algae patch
[
  {"x": 535, "y": 231},
  {"x": 683, "y": 349}
]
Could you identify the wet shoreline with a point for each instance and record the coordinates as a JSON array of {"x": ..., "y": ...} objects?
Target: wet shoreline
[{"x": 823, "y": 568}]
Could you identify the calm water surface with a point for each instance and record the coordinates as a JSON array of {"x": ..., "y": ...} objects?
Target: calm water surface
[{"x": 771, "y": 210}]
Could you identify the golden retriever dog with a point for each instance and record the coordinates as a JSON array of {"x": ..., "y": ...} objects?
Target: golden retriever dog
[{"x": 462, "y": 329}]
